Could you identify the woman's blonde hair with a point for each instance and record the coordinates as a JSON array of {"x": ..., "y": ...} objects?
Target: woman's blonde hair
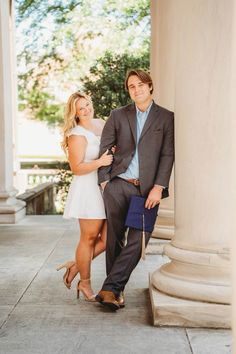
[{"x": 70, "y": 117}]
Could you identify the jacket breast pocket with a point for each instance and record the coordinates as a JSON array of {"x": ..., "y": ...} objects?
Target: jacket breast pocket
[{"x": 157, "y": 131}]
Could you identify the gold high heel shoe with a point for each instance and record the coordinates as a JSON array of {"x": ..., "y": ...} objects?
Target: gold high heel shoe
[
  {"x": 86, "y": 298},
  {"x": 66, "y": 265}
]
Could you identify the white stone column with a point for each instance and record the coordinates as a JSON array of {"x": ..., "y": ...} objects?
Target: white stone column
[
  {"x": 164, "y": 227},
  {"x": 233, "y": 174},
  {"x": 164, "y": 95},
  {"x": 16, "y": 163},
  {"x": 193, "y": 289},
  {"x": 11, "y": 210}
]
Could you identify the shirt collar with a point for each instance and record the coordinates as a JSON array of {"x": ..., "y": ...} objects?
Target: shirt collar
[{"x": 139, "y": 113}]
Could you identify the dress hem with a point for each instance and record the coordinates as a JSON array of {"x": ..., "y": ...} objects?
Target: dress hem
[{"x": 85, "y": 217}]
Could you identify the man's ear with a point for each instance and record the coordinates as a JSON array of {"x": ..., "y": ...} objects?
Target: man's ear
[{"x": 150, "y": 88}]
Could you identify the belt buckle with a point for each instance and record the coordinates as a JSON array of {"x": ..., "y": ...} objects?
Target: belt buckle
[{"x": 136, "y": 182}]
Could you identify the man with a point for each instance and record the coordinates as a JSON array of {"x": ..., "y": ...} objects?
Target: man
[{"x": 143, "y": 133}]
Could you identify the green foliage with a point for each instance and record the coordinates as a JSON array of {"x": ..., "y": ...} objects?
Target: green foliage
[
  {"x": 105, "y": 82},
  {"x": 42, "y": 105},
  {"x": 59, "y": 8},
  {"x": 63, "y": 178},
  {"x": 59, "y": 41},
  {"x": 135, "y": 11}
]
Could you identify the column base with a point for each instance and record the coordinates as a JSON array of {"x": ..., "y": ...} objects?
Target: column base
[
  {"x": 172, "y": 311},
  {"x": 165, "y": 217},
  {"x": 156, "y": 246},
  {"x": 195, "y": 275},
  {"x": 163, "y": 232},
  {"x": 11, "y": 214},
  {"x": 164, "y": 227}
]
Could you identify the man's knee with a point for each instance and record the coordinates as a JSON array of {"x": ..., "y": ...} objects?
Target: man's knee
[{"x": 134, "y": 238}]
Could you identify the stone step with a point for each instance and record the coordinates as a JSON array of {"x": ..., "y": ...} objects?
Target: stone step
[{"x": 156, "y": 246}]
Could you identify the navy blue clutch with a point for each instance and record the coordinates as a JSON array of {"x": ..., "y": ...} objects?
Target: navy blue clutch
[{"x": 140, "y": 217}]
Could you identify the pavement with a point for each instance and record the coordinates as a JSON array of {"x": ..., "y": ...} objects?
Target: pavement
[{"x": 38, "y": 314}]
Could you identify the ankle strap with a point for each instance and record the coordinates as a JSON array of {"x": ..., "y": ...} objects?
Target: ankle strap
[{"x": 85, "y": 279}]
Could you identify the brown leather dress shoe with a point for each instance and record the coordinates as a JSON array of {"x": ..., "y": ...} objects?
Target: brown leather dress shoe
[
  {"x": 121, "y": 300},
  {"x": 108, "y": 299}
]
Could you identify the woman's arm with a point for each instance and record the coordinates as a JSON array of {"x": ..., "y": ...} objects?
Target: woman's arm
[{"x": 76, "y": 153}]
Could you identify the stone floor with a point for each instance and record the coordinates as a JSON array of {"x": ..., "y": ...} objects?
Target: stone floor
[{"x": 39, "y": 315}]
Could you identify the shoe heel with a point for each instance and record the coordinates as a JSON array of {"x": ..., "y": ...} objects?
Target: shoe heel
[
  {"x": 61, "y": 267},
  {"x": 86, "y": 298},
  {"x": 66, "y": 265}
]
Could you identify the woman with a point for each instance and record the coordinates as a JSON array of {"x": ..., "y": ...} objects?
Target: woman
[{"x": 84, "y": 201}]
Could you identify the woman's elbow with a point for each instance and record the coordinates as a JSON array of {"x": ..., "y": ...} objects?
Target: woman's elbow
[{"x": 76, "y": 170}]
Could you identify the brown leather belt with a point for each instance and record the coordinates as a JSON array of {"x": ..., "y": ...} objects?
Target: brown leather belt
[{"x": 134, "y": 181}]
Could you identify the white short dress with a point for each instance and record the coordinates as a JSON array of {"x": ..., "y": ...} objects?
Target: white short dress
[{"x": 84, "y": 199}]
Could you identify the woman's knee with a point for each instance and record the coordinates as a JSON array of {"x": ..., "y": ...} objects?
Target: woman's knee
[{"x": 89, "y": 238}]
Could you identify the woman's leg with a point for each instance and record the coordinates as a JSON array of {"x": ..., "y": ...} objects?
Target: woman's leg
[
  {"x": 93, "y": 232},
  {"x": 100, "y": 244},
  {"x": 89, "y": 231}
]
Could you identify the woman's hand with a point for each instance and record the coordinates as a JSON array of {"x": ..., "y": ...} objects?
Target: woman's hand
[
  {"x": 113, "y": 149},
  {"x": 105, "y": 159}
]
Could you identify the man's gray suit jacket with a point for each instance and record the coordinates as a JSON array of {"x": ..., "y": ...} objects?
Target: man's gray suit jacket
[{"x": 155, "y": 146}]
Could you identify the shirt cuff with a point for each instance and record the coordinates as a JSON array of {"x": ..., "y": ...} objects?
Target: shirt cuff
[{"x": 158, "y": 185}]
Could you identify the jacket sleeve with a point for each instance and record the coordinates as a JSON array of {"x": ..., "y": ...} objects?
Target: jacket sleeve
[
  {"x": 167, "y": 153},
  {"x": 108, "y": 140}
]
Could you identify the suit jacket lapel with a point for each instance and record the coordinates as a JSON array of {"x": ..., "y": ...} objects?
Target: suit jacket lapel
[
  {"x": 152, "y": 116},
  {"x": 131, "y": 114}
]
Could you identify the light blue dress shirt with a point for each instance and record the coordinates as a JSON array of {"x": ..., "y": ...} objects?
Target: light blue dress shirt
[{"x": 133, "y": 168}]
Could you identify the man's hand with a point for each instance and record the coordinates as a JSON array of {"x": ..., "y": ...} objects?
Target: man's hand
[
  {"x": 103, "y": 185},
  {"x": 154, "y": 197}
]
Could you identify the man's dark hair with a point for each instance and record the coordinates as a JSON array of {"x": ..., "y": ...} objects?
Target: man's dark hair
[{"x": 142, "y": 75}]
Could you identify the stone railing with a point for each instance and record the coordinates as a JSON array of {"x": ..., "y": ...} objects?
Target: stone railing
[{"x": 40, "y": 200}]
